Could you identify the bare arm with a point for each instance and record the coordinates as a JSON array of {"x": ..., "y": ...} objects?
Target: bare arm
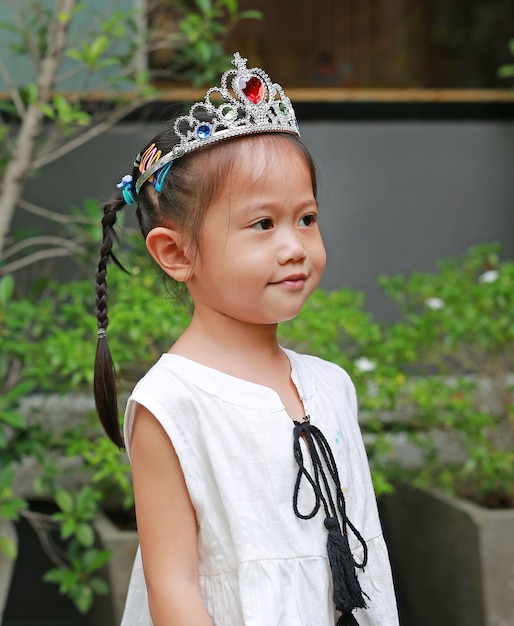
[{"x": 167, "y": 527}]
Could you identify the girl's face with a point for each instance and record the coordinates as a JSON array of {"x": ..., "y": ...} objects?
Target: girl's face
[{"x": 260, "y": 252}]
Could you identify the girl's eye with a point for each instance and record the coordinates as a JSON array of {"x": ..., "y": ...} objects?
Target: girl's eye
[
  {"x": 308, "y": 220},
  {"x": 264, "y": 224}
]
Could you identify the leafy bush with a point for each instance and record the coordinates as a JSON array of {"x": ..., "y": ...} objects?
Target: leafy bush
[{"x": 455, "y": 345}]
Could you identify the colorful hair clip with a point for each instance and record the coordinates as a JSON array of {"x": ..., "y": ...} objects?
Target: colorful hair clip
[
  {"x": 126, "y": 181},
  {"x": 126, "y": 189},
  {"x": 150, "y": 156},
  {"x": 128, "y": 196},
  {"x": 160, "y": 176}
]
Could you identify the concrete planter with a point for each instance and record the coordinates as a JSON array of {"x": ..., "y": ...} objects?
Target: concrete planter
[
  {"x": 453, "y": 561},
  {"x": 108, "y": 610}
]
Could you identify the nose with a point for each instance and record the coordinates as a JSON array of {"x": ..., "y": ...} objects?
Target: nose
[{"x": 292, "y": 249}]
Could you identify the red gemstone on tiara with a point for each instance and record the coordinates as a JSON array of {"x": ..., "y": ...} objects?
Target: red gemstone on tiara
[{"x": 253, "y": 89}]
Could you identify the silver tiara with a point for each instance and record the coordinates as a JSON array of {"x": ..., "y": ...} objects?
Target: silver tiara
[{"x": 247, "y": 102}]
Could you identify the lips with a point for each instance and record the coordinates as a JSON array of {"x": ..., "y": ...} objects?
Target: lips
[{"x": 292, "y": 280}]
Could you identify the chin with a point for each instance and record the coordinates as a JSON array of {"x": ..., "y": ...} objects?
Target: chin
[{"x": 290, "y": 316}]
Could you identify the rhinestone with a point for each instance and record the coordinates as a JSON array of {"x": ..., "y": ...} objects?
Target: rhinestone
[
  {"x": 203, "y": 131},
  {"x": 253, "y": 89},
  {"x": 227, "y": 112},
  {"x": 283, "y": 108}
]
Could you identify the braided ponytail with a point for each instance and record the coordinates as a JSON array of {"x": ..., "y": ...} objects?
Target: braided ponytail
[{"x": 105, "y": 374}]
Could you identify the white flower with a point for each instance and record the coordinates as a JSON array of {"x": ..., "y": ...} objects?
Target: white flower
[
  {"x": 363, "y": 364},
  {"x": 434, "y": 303},
  {"x": 489, "y": 277}
]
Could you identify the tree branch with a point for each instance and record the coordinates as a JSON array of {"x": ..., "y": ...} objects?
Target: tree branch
[
  {"x": 53, "y": 216},
  {"x": 43, "y": 240},
  {"x": 91, "y": 132},
  {"x": 21, "y": 162},
  {"x": 34, "y": 258}
]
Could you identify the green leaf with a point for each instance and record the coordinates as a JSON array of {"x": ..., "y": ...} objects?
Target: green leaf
[
  {"x": 83, "y": 599},
  {"x": 68, "y": 528},
  {"x": 8, "y": 107},
  {"x": 85, "y": 535},
  {"x": 12, "y": 418},
  {"x": 9, "y": 547},
  {"x": 506, "y": 71},
  {"x": 251, "y": 15},
  {"x": 64, "y": 500},
  {"x": 19, "y": 391},
  {"x": 48, "y": 111},
  {"x": 75, "y": 54},
  {"x": 203, "y": 51},
  {"x": 54, "y": 575},
  {"x": 205, "y": 6},
  {"x": 63, "y": 17},
  {"x": 6, "y": 290},
  {"x": 230, "y": 5},
  {"x": 96, "y": 559},
  {"x": 99, "y": 586},
  {"x": 98, "y": 47}
]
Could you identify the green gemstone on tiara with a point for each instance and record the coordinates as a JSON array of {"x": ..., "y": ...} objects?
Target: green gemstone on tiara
[
  {"x": 228, "y": 112},
  {"x": 283, "y": 108}
]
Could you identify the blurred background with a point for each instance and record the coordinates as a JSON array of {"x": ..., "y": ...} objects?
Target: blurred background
[{"x": 406, "y": 105}]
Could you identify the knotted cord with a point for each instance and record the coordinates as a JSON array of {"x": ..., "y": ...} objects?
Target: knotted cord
[{"x": 347, "y": 594}]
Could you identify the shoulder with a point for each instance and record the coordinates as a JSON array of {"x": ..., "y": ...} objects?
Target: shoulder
[{"x": 166, "y": 392}]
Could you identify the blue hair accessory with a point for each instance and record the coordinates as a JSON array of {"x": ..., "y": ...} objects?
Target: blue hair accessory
[
  {"x": 126, "y": 189},
  {"x": 160, "y": 176}
]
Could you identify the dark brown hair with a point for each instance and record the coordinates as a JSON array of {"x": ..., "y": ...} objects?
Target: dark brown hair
[{"x": 191, "y": 185}]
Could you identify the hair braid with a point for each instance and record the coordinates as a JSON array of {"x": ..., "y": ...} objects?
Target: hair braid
[{"x": 105, "y": 374}]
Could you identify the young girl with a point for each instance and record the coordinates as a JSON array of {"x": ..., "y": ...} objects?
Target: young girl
[{"x": 253, "y": 495}]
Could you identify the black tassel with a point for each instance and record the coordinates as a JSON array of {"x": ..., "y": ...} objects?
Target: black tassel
[
  {"x": 347, "y": 590},
  {"x": 348, "y": 594},
  {"x": 347, "y": 620}
]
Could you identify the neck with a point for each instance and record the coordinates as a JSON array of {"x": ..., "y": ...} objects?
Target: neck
[
  {"x": 246, "y": 351},
  {"x": 225, "y": 343}
]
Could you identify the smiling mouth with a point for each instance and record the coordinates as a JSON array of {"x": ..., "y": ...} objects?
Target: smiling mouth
[{"x": 295, "y": 280}]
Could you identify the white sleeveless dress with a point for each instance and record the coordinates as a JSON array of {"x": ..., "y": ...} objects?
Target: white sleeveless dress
[{"x": 260, "y": 565}]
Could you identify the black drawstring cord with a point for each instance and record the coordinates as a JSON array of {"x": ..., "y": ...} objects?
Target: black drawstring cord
[{"x": 348, "y": 594}]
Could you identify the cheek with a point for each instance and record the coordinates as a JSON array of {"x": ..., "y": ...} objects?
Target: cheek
[{"x": 320, "y": 255}]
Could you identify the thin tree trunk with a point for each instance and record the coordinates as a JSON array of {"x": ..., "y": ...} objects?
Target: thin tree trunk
[{"x": 21, "y": 162}]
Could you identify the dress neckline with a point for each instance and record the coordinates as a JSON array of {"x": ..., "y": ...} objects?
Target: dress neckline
[{"x": 240, "y": 391}]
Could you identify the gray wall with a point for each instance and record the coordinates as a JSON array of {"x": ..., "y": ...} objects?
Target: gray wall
[
  {"x": 395, "y": 196},
  {"x": 399, "y": 195}
]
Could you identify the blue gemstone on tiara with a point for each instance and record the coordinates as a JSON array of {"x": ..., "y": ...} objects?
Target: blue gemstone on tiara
[{"x": 203, "y": 131}]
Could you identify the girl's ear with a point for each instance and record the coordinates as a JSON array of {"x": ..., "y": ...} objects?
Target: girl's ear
[{"x": 169, "y": 249}]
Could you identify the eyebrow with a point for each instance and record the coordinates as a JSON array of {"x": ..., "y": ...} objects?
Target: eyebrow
[{"x": 257, "y": 207}]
